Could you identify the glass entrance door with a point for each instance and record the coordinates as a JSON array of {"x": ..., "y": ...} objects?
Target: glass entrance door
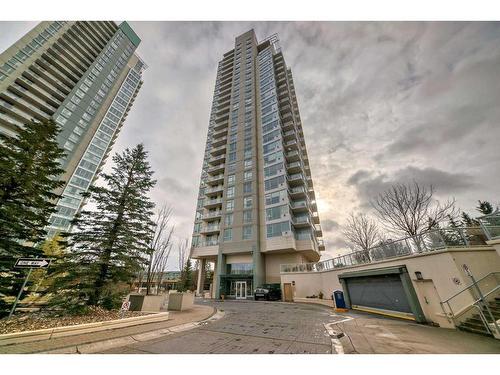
[{"x": 241, "y": 289}]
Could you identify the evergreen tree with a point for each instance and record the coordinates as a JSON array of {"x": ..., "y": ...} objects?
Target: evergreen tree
[
  {"x": 110, "y": 244},
  {"x": 29, "y": 165},
  {"x": 485, "y": 207},
  {"x": 187, "y": 277},
  {"x": 469, "y": 221}
]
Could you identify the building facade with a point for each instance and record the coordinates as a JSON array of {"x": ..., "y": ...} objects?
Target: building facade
[
  {"x": 83, "y": 75},
  {"x": 256, "y": 206}
]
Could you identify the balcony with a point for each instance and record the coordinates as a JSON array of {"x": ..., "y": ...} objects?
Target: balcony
[
  {"x": 216, "y": 169},
  {"x": 297, "y": 192},
  {"x": 287, "y": 125},
  {"x": 218, "y": 126},
  {"x": 212, "y": 203},
  {"x": 222, "y": 118},
  {"x": 309, "y": 181},
  {"x": 210, "y": 229},
  {"x": 216, "y": 180},
  {"x": 219, "y": 134},
  {"x": 287, "y": 118},
  {"x": 310, "y": 191},
  {"x": 218, "y": 150},
  {"x": 292, "y": 156},
  {"x": 296, "y": 179},
  {"x": 212, "y": 215},
  {"x": 214, "y": 190},
  {"x": 314, "y": 206},
  {"x": 209, "y": 243},
  {"x": 299, "y": 206},
  {"x": 301, "y": 222},
  {"x": 315, "y": 218},
  {"x": 321, "y": 245},
  {"x": 289, "y": 135},
  {"x": 214, "y": 160},
  {"x": 217, "y": 142},
  {"x": 291, "y": 145},
  {"x": 317, "y": 230},
  {"x": 307, "y": 169},
  {"x": 294, "y": 167}
]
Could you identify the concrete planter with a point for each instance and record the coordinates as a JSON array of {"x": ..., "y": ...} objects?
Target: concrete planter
[
  {"x": 180, "y": 301},
  {"x": 141, "y": 302}
]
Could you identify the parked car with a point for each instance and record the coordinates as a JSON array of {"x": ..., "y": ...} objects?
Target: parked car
[{"x": 268, "y": 292}]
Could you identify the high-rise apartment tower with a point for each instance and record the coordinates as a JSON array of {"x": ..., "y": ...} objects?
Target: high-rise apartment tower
[
  {"x": 256, "y": 206},
  {"x": 85, "y": 76}
]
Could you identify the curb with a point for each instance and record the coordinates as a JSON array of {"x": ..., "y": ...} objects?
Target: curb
[
  {"x": 49, "y": 333},
  {"x": 132, "y": 339}
]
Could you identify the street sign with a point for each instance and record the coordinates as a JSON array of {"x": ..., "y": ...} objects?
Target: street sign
[
  {"x": 32, "y": 263},
  {"x": 125, "y": 306}
]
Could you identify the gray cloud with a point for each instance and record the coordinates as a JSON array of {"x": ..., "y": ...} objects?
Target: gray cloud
[
  {"x": 329, "y": 225},
  {"x": 380, "y": 102},
  {"x": 370, "y": 184}
]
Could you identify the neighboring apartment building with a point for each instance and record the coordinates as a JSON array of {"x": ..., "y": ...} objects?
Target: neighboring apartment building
[
  {"x": 256, "y": 206},
  {"x": 85, "y": 76}
]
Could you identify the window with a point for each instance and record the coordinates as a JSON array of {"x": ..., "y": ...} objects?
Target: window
[
  {"x": 273, "y": 170},
  {"x": 247, "y": 187},
  {"x": 247, "y": 176},
  {"x": 248, "y": 152},
  {"x": 231, "y": 179},
  {"x": 277, "y": 212},
  {"x": 247, "y": 216},
  {"x": 276, "y": 197},
  {"x": 247, "y": 232},
  {"x": 272, "y": 146},
  {"x": 275, "y": 230},
  {"x": 232, "y": 146},
  {"x": 240, "y": 269},
  {"x": 230, "y": 205},
  {"x": 231, "y": 156},
  {"x": 274, "y": 182},
  {"x": 273, "y": 158},
  {"x": 247, "y": 202},
  {"x": 248, "y": 163},
  {"x": 230, "y": 192},
  {"x": 228, "y": 220},
  {"x": 231, "y": 167},
  {"x": 228, "y": 234}
]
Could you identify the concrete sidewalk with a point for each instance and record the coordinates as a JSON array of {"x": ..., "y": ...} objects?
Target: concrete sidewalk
[
  {"x": 372, "y": 334},
  {"x": 71, "y": 344}
]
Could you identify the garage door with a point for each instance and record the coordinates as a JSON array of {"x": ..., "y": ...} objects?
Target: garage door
[{"x": 379, "y": 291}]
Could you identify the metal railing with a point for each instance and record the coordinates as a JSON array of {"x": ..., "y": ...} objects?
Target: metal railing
[
  {"x": 426, "y": 242},
  {"x": 458, "y": 307}
]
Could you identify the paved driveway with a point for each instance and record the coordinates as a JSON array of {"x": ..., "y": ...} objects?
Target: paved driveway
[
  {"x": 277, "y": 327},
  {"x": 249, "y": 327}
]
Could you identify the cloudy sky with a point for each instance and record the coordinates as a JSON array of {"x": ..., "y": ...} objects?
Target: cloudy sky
[{"x": 381, "y": 102}]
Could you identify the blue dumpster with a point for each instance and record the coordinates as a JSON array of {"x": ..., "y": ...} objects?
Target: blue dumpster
[{"x": 338, "y": 296}]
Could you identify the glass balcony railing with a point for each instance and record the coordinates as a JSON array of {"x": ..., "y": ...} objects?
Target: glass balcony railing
[
  {"x": 491, "y": 225},
  {"x": 433, "y": 240}
]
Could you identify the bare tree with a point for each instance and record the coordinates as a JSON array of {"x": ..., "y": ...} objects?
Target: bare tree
[
  {"x": 361, "y": 232},
  {"x": 182, "y": 251},
  {"x": 411, "y": 209},
  {"x": 160, "y": 247}
]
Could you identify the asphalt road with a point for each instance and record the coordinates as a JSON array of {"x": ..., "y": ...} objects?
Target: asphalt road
[{"x": 249, "y": 327}]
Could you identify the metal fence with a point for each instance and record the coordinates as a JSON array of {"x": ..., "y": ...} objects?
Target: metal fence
[{"x": 426, "y": 242}]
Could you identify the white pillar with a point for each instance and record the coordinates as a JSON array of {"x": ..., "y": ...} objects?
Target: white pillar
[{"x": 201, "y": 276}]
